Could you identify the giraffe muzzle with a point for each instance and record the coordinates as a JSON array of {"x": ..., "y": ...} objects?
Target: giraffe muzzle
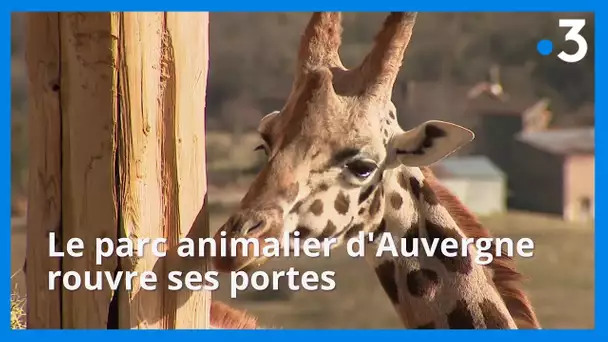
[{"x": 244, "y": 236}]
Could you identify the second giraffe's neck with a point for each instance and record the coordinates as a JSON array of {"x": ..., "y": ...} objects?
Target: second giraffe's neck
[{"x": 431, "y": 291}]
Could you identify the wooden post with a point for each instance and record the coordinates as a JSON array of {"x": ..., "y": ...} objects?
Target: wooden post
[
  {"x": 44, "y": 199},
  {"x": 117, "y": 150}
]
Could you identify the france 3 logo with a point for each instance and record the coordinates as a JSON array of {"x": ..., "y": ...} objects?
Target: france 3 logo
[{"x": 545, "y": 46}]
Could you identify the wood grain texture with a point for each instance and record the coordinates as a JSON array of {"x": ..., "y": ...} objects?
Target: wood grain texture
[
  {"x": 189, "y": 36},
  {"x": 162, "y": 158},
  {"x": 89, "y": 123},
  {"x": 119, "y": 116},
  {"x": 44, "y": 214},
  {"x": 139, "y": 153}
]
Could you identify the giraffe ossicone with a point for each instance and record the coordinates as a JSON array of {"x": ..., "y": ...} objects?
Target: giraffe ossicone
[{"x": 340, "y": 164}]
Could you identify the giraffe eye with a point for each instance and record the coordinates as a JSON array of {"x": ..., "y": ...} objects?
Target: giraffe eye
[
  {"x": 261, "y": 147},
  {"x": 361, "y": 168}
]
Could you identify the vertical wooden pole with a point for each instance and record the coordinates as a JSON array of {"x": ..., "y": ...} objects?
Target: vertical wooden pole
[
  {"x": 89, "y": 126},
  {"x": 130, "y": 95},
  {"x": 162, "y": 157},
  {"x": 44, "y": 203},
  {"x": 190, "y": 69}
]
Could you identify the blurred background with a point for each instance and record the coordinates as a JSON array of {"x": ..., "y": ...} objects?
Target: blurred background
[{"x": 529, "y": 172}]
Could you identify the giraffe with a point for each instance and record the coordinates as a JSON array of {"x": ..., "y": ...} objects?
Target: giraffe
[
  {"x": 223, "y": 316},
  {"x": 340, "y": 164},
  {"x": 506, "y": 278}
]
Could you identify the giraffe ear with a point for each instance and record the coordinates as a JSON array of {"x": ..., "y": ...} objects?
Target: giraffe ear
[
  {"x": 267, "y": 119},
  {"x": 428, "y": 143}
]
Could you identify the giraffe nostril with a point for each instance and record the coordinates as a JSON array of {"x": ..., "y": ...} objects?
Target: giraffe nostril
[{"x": 252, "y": 226}]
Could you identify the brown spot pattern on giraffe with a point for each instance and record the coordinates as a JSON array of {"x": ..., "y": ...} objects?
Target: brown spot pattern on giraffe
[
  {"x": 316, "y": 207},
  {"x": 296, "y": 207},
  {"x": 461, "y": 317},
  {"x": 304, "y": 232},
  {"x": 396, "y": 200},
  {"x": 428, "y": 194},
  {"x": 291, "y": 192},
  {"x": 379, "y": 230},
  {"x": 492, "y": 316},
  {"x": 364, "y": 195},
  {"x": 422, "y": 283},
  {"x": 505, "y": 274},
  {"x": 374, "y": 207},
  {"x": 458, "y": 263},
  {"x": 354, "y": 230},
  {"x": 412, "y": 231},
  {"x": 329, "y": 230},
  {"x": 415, "y": 186},
  {"x": 403, "y": 181},
  {"x": 386, "y": 275},
  {"x": 323, "y": 187},
  {"x": 409, "y": 236},
  {"x": 342, "y": 203}
]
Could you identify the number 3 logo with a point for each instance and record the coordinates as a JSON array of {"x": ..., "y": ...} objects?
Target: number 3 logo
[{"x": 575, "y": 25}]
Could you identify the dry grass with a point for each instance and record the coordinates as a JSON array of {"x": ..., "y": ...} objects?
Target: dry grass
[{"x": 17, "y": 311}]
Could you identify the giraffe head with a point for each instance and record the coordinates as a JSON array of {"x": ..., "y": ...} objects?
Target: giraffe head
[{"x": 333, "y": 140}]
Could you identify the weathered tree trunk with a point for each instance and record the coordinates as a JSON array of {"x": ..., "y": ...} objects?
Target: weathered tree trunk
[{"x": 117, "y": 150}]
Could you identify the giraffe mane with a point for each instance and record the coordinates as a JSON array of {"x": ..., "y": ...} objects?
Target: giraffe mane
[
  {"x": 505, "y": 276},
  {"x": 225, "y": 317}
]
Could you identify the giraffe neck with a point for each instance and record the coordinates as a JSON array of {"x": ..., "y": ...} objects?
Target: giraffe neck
[{"x": 431, "y": 291}]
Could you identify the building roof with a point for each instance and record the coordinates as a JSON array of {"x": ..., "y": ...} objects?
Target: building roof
[
  {"x": 466, "y": 167},
  {"x": 562, "y": 141}
]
